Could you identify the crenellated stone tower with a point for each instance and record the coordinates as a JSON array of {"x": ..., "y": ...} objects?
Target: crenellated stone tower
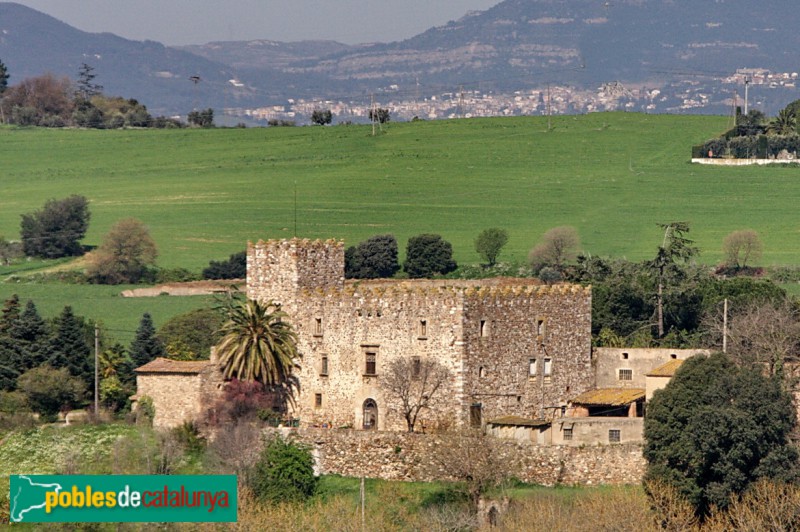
[{"x": 281, "y": 269}]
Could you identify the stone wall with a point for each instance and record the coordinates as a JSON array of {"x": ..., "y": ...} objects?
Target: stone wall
[
  {"x": 278, "y": 269},
  {"x": 527, "y": 348},
  {"x": 595, "y": 430},
  {"x": 405, "y": 456},
  {"x": 609, "y": 360},
  {"x": 176, "y": 397}
]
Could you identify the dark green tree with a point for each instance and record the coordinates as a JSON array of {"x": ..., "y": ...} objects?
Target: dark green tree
[
  {"x": 674, "y": 252},
  {"x": 86, "y": 85},
  {"x": 69, "y": 348},
  {"x": 198, "y": 330},
  {"x": 751, "y": 124},
  {"x": 428, "y": 255},
  {"x": 321, "y": 117},
  {"x": 48, "y": 390},
  {"x": 380, "y": 115},
  {"x": 146, "y": 346},
  {"x": 3, "y": 78},
  {"x": 56, "y": 230},
  {"x": 25, "y": 345},
  {"x": 204, "y": 118},
  {"x": 284, "y": 472},
  {"x": 374, "y": 258},
  {"x": 233, "y": 268},
  {"x": 716, "y": 428},
  {"x": 489, "y": 244},
  {"x": 11, "y": 311}
]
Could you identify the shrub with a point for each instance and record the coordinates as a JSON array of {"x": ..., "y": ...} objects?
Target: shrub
[
  {"x": 125, "y": 255},
  {"x": 489, "y": 244},
  {"x": 374, "y": 258},
  {"x": 56, "y": 229},
  {"x": 48, "y": 390},
  {"x": 715, "y": 429},
  {"x": 284, "y": 472},
  {"x": 233, "y": 268},
  {"x": 428, "y": 255}
]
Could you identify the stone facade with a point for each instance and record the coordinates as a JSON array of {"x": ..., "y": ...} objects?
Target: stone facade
[
  {"x": 597, "y": 431},
  {"x": 181, "y": 391},
  {"x": 513, "y": 346},
  {"x": 411, "y": 456},
  {"x": 626, "y": 367}
]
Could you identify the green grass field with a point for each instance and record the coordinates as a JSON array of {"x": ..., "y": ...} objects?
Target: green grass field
[{"x": 204, "y": 193}]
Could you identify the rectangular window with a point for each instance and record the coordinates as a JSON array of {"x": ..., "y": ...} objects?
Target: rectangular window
[
  {"x": 323, "y": 367},
  {"x": 484, "y": 329},
  {"x": 613, "y": 436},
  {"x": 423, "y": 328},
  {"x": 475, "y": 415},
  {"x": 539, "y": 327},
  {"x": 567, "y": 434},
  {"x": 548, "y": 369},
  {"x": 317, "y": 326},
  {"x": 626, "y": 374},
  {"x": 416, "y": 367},
  {"x": 318, "y": 400},
  {"x": 370, "y": 367},
  {"x": 533, "y": 367}
]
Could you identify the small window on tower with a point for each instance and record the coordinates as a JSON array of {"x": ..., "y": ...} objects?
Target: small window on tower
[
  {"x": 318, "y": 400},
  {"x": 416, "y": 367},
  {"x": 317, "y": 326},
  {"x": 323, "y": 367},
  {"x": 370, "y": 367},
  {"x": 423, "y": 328}
]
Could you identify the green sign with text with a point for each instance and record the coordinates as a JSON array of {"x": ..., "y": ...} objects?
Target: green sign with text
[{"x": 122, "y": 498}]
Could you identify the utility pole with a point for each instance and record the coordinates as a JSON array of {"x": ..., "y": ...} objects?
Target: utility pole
[
  {"x": 363, "y": 507},
  {"x": 373, "y": 112},
  {"x": 96, "y": 369},
  {"x": 461, "y": 101},
  {"x": 746, "y": 87},
  {"x": 549, "y": 125},
  {"x": 725, "y": 327}
]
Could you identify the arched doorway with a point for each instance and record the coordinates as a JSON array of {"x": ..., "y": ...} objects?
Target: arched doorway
[{"x": 370, "y": 414}]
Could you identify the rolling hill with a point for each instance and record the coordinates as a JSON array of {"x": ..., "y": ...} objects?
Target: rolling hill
[{"x": 515, "y": 45}]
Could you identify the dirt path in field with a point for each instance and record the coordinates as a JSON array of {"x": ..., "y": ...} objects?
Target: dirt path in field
[{"x": 194, "y": 288}]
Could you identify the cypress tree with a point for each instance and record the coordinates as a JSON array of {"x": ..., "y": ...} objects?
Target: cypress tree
[
  {"x": 146, "y": 345},
  {"x": 69, "y": 348},
  {"x": 31, "y": 334},
  {"x": 10, "y": 314}
]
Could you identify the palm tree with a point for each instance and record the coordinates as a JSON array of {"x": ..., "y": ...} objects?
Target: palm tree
[
  {"x": 783, "y": 124},
  {"x": 257, "y": 345}
]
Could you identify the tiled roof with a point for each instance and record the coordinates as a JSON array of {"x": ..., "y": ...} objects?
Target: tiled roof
[
  {"x": 610, "y": 396},
  {"x": 667, "y": 370},
  {"x": 519, "y": 421},
  {"x": 166, "y": 365}
]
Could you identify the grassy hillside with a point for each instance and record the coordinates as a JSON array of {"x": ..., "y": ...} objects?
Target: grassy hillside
[{"x": 204, "y": 193}]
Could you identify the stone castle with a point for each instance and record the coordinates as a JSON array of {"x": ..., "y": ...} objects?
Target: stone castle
[{"x": 513, "y": 346}]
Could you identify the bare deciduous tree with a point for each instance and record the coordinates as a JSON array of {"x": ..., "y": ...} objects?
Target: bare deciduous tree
[
  {"x": 765, "y": 334},
  {"x": 558, "y": 246},
  {"x": 740, "y": 247},
  {"x": 413, "y": 383},
  {"x": 471, "y": 457}
]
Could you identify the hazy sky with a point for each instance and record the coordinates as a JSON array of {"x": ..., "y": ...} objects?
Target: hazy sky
[{"x": 199, "y": 21}]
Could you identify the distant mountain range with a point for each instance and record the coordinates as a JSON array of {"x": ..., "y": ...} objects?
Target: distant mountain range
[{"x": 516, "y": 45}]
